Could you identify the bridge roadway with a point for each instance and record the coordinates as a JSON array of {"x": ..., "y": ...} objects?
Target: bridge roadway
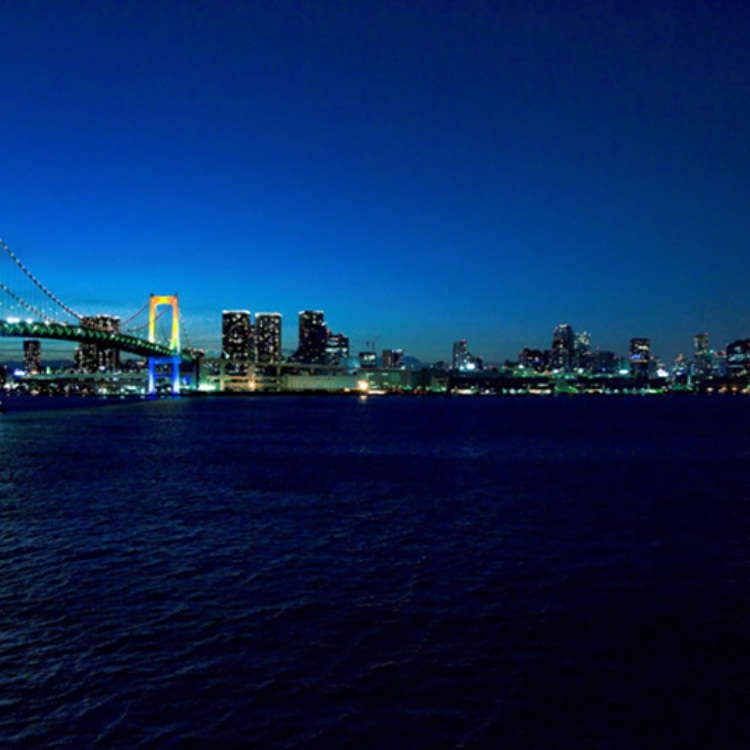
[{"x": 84, "y": 335}]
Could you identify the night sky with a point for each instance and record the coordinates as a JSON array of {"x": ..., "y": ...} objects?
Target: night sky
[{"x": 422, "y": 171}]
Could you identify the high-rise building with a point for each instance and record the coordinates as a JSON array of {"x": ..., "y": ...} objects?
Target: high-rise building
[
  {"x": 562, "y": 347},
  {"x": 640, "y": 357},
  {"x": 392, "y": 358},
  {"x": 32, "y": 356},
  {"x": 701, "y": 355},
  {"x": 267, "y": 337},
  {"x": 738, "y": 358},
  {"x": 603, "y": 363},
  {"x": 337, "y": 348},
  {"x": 463, "y": 359},
  {"x": 533, "y": 359},
  {"x": 460, "y": 355},
  {"x": 368, "y": 360},
  {"x": 312, "y": 337},
  {"x": 236, "y": 336},
  {"x": 96, "y": 357},
  {"x": 582, "y": 351}
]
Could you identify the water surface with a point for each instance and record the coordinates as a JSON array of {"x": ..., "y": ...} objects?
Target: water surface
[{"x": 395, "y": 572}]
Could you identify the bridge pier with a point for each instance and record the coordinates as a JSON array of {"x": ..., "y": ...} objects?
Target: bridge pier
[{"x": 175, "y": 362}]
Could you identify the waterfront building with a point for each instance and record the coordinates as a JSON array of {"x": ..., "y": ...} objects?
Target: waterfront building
[
  {"x": 460, "y": 354},
  {"x": 337, "y": 348},
  {"x": 640, "y": 357},
  {"x": 463, "y": 359},
  {"x": 582, "y": 352},
  {"x": 680, "y": 369},
  {"x": 392, "y": 359},
  {"x": 604, "y": 363},
  {"x": 267, "y": 338},
  {"x": 562, "y": 348},
  {"x": 96, "y": 357},
  {"x": 738, "y": 358},
  {"x": 32, "y": 356},
  {"x": 312, "y": 337},
  {"x": 701, "y": 356},
  {"x": 368, "y": 360},
  {"x": 236, "y": 336},
  {"x": 533, "y": 359}
]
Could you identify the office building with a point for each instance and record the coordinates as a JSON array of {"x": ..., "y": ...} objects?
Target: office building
[
  {"x": 562, "y": 348},
  {"x": 582, "y": 352},
  {"x": 640, "y": 357},
  {"x": 96, "y": 357},
  {"x": 393, "y": 359},
  {"x": 32, "y": 356},
  {"x": 463, "y": 359},
  {"x": 268, "y": 338},
  {"x": 533, "y": 359},
  {"x": 337, "y": 348},
  {"x": 738, "y": 358},
  {"x": 368, "y": 360},
  {"x": 312, "y": 337},
  {"x": 237, "y": 336},
  {"x": 461, "y": 355},
  {"x": 701, "y": 356},
  {"x": 604, "y": 363}
]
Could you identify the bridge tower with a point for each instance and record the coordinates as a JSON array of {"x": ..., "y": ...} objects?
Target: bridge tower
[{"x": 155, "y": 301}]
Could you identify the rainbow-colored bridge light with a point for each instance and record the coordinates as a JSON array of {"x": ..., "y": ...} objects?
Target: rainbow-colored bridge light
[{"x": 155, "y": 301}]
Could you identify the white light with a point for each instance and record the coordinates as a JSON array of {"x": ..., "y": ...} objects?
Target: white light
[{"x": 13, "y": 320}]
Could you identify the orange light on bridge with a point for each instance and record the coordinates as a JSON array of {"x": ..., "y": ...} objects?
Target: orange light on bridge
[{"x": 163, "y": 299}]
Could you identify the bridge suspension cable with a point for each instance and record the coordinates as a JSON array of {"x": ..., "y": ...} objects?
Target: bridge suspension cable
[
  {"x": 29, "y": 307},
  {"x": 38, "y": 283},
  {"x": 135, "y": 315},
  {"x": 184, "y": 331},
  {"x": 144, "y": 325}
]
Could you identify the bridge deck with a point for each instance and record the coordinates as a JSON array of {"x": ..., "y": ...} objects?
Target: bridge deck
[{"x": 84, "y": 335}]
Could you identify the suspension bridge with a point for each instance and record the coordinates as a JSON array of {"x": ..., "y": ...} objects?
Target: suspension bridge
[{"x": 30, "y": 310}]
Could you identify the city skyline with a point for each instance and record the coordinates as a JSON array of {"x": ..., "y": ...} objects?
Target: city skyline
[
  {"x": 423, "y": 174},
  {"x": 248, "y": 337}
]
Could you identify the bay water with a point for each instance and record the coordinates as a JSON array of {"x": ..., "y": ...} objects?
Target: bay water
[{"x": 382, "y": 572}]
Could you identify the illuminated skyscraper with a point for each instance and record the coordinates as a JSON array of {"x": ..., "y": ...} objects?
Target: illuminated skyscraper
[
  {"x": 582, "y": 351},
  {"x": 562, "y": 348},
  {"x": 236, "y": 336},
  {"x": 337, "y": 348},
  {"x": 392, "y": 358},
  {"x": 368, "y": 360},
  {"x": 312, "y": 337},
  {"x": 702, "y": 356},
  {"x": 461, "y": 355},
  {"x": 603, "y": 363},
  {"x": 95, "y": 357},
  {"x": 32, "y": 356},
  {"x": 640, "y": 357},
  {"x": 463, "y": 359},
  {"x": 533, "y": 359},
  {"x": 738, "y": 358},
  {"x": 268, "y": 337}
]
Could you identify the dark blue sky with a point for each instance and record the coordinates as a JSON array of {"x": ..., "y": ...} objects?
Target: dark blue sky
[{"x": 422, "y": 171}]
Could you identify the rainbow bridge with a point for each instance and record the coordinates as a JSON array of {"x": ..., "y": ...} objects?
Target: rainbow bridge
[{"x": 34, "y": 312}]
